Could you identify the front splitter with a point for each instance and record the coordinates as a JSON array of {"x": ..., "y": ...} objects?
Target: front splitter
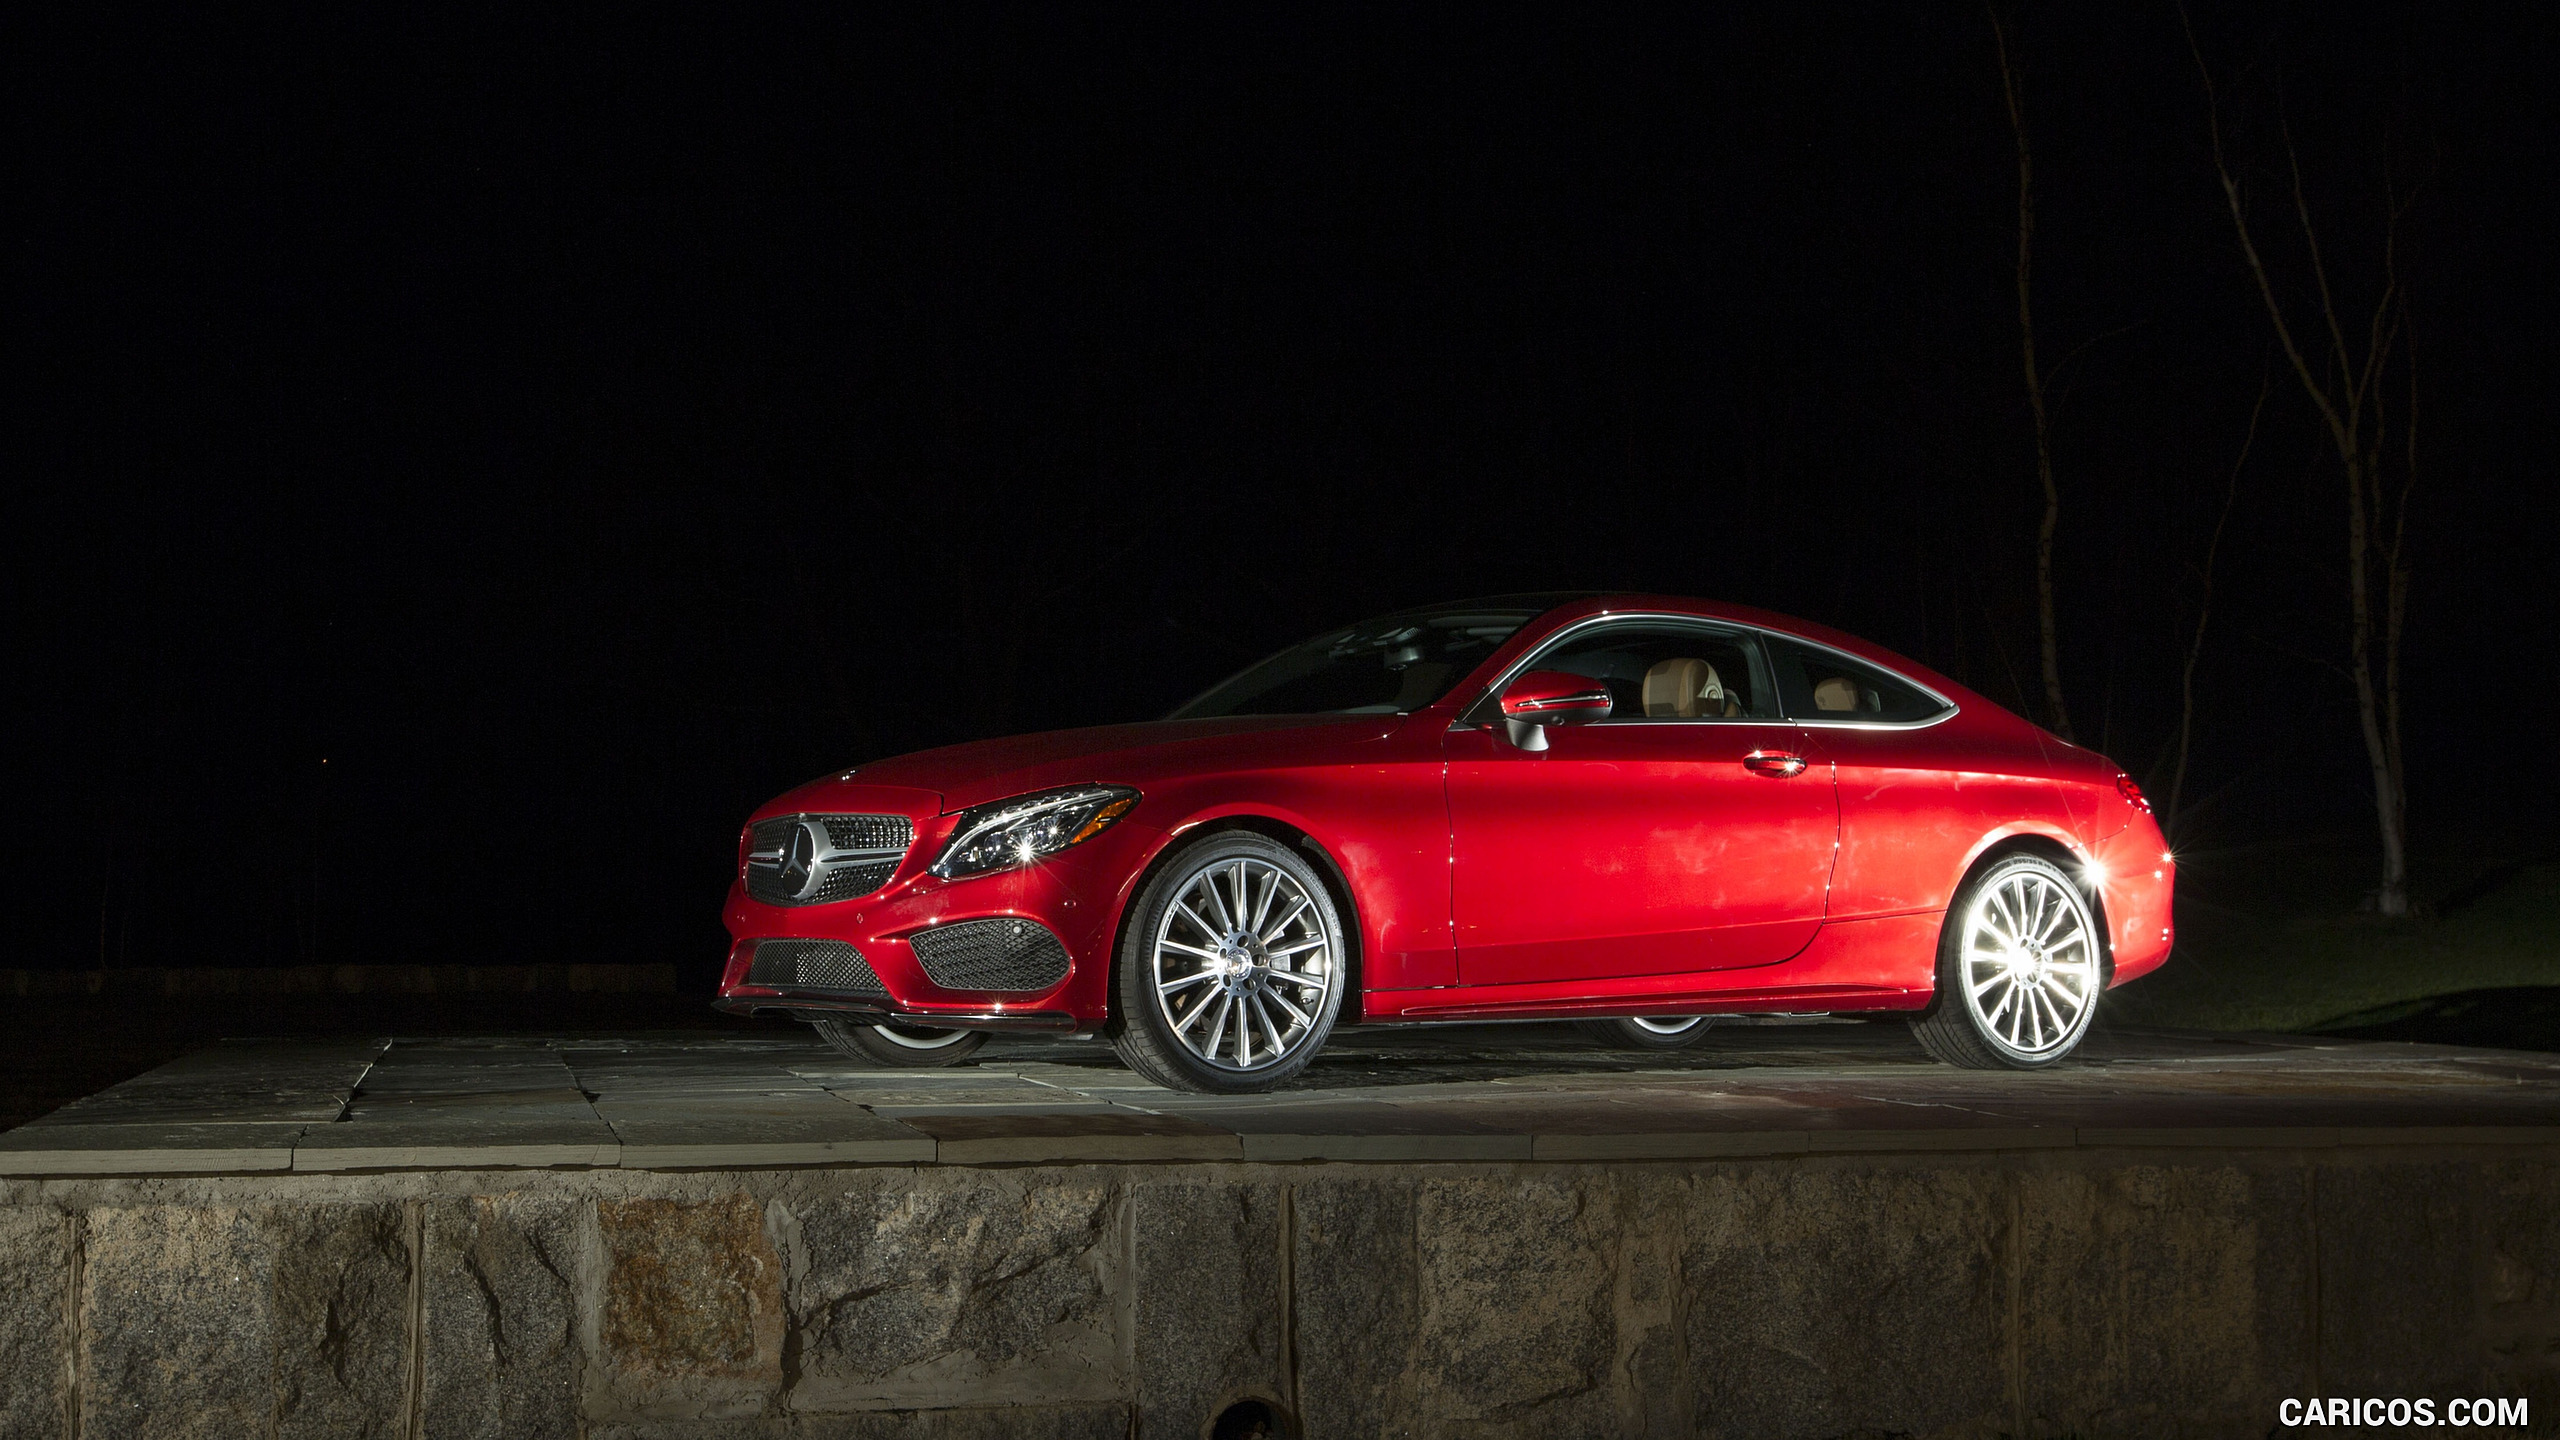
[{"x": 797, "y": 1005}]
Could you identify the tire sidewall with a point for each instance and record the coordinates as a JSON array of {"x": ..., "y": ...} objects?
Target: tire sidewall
[
  {"x": 947, "y": 1040},
  {"x": 861, "y": 1043},
  {"x": 1626, "y": 1034},
  {"x": 1136, "y": 1016},
  {"x": 1951, "y": 981}
]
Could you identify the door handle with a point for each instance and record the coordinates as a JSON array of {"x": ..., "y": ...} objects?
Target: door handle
[{"x": 1773, "y": 762}]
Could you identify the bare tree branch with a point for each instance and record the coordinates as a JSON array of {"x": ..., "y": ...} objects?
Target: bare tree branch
[
  {"x": 2311, "y": 239},
  {"x": 2321, "y": 661},
  {"x": 2048, "y": 637},
  {"x": 2204, "y": 603},
  {"x": 2062, "y": 368},
  {"x": 2249, "y": 245}
]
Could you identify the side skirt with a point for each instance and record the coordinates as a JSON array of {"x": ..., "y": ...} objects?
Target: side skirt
[{"x": 1880, "y": 963}]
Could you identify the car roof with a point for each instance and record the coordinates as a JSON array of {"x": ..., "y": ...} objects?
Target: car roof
[
  {"x": 1546, "y": 605},
  {"x": 1543, "y": 604}
]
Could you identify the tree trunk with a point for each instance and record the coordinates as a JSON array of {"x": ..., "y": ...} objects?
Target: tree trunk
[
  {"x": 2395, "y": 617},
  {"x": 2393, "y": 896}
]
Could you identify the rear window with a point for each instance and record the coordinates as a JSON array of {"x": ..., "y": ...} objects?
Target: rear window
[{"x": 1825, "y": 685}]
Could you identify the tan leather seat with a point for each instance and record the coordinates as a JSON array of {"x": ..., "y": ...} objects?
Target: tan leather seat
[
  {"x": 1682, "y": 688},
  {"x": 1836, "y": 693}
]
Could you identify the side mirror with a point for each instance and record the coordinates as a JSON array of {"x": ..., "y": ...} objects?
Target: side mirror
[{"x": 1551, "y": 697}]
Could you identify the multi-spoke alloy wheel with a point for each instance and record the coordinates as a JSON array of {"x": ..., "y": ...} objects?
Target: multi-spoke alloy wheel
[
  {"x": 899, "y": 1046},
  {"x": 1233, "y": 968},
  {"x": 1651, "y": 1032},
  {"x": 2019, "y": 970}
]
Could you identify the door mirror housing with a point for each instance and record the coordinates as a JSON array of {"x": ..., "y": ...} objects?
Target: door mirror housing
[{"x": 1551, "y": 697}]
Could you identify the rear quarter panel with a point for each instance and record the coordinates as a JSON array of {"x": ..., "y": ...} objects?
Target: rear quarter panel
[
  {"x": 1919, "y": 806},
  {"x": 2129, "y": 858}
]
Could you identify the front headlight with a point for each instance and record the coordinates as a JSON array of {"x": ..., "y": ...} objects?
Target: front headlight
[{"x": 1025, "y": 828}]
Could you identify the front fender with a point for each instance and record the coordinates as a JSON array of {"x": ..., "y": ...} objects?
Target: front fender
[{"x": 1385, "y": 828}]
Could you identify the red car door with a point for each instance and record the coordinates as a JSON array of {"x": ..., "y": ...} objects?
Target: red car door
[{"x": 1651, "y": 843}]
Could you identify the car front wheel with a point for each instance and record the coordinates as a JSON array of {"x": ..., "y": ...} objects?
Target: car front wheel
[
  {"x": 2019, "y": 970},
  {"x": 1233, "y": 968}
]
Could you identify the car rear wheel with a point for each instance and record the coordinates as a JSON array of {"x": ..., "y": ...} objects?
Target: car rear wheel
[
  {"x": 2019, "y": 970},
  {"x": 900, "y": 1047},
  {"x": 1232, "y": 970},
  {"x": 1650, "y": 1032}
]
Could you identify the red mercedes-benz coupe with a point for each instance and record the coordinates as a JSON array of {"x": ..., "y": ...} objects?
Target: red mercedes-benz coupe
[{"x": 1635, "y": 810}]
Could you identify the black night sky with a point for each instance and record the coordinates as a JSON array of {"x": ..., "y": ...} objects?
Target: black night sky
[{"x": 459, "y": 466}]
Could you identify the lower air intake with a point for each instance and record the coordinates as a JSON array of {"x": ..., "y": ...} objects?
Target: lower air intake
[
  {"x": 991, "y": 955},
  {"x": 813, "y": 965}
]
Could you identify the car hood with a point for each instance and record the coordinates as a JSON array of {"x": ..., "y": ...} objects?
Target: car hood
[{"x": 985, "y": 770}]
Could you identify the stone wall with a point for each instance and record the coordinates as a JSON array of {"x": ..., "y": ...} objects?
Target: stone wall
[{"x": 2027, "y": 1293}]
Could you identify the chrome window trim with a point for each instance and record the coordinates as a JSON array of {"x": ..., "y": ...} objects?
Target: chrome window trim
[
  {"x": 1763, "y": 633},
  {"x": 1493, "y": 693},
  {"x": 1779, "y": 721},
  {"x": 1943, "y": 716}
]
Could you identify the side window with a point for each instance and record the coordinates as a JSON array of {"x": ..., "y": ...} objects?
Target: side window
[
  {"x": 1819, "y": 685},
  {"x": 1670, "y": 672}
]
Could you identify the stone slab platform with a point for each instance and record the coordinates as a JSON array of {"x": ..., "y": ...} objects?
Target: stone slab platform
[
  {"x": 685, "y": 1101},
  {"x": 1801, "y": 1231}
]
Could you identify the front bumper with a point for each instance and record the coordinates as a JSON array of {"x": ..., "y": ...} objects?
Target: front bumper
[
  {"x": 1076, "y": 896},
  {"x": 805, "y": 1004}
]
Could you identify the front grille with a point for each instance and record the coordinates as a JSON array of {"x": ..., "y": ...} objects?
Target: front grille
[
  {"x": 820, "y": 859},
  {"x": 845, "y": 882},
  {"x": 812, "y": 965},
  {"x": 868, "y": 832},
  {"x": 991, "y": 955}
]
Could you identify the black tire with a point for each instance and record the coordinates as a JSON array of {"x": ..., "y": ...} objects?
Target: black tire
[
  {"x": 1963, "y": 1025},
  {"x": 898, "y": 1047},
  {"x": 1144, "y": 1020},
  {"x": 1640, "y": 1034}
]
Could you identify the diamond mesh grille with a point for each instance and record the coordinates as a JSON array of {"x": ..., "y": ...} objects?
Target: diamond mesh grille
[
  {"x": 861, "y": 853},
  {"x": 812, "y": 965},
  {"x": 848, "y": 881},
  {"x": 868, "y": 832},
  {"x": 991, "y": 955}
]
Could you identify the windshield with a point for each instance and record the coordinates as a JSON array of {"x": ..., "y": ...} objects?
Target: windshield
[{"x": 1393, "y": 665}]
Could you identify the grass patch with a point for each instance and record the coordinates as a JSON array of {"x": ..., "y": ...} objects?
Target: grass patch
[{"x": 2269, "y": 936}]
